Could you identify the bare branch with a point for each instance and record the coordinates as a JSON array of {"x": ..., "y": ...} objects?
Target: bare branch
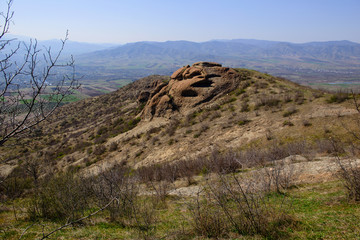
[
  {"x": 26, "y": 229},
  {"x": 25, "y": 96},
  {"x": 80, "y": 219},
  {"x": 20, "y": 110},
  {"x": 7, "y": 16}
]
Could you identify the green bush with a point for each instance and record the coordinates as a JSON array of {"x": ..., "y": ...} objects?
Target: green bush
[
  {"x": 338, "y": 97},
  {"x": 133, "y": 122}
]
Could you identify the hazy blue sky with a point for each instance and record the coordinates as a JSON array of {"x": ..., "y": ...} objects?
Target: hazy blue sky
[{"x": 120, "y": 21}]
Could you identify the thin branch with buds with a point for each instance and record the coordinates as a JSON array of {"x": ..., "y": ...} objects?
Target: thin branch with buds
[{"x": 25, "y": 96}]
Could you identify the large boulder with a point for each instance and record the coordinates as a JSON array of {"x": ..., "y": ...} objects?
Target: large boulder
[{"x": 189, "y": 87}]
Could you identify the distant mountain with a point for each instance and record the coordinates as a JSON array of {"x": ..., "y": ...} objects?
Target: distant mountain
[
  {"x": 105, "y": 67},
  {"x": 71, "y": 47},
  {"x": 300, "y": 62},
  {"x": 76, "y": 48},
  {"x": 240, "y": 48},
  {"x": 91, "y": 86}
]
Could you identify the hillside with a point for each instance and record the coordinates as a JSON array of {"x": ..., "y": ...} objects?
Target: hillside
[
  {"x": 164, "y": 119},
  {"x": 210, "y": 152}
]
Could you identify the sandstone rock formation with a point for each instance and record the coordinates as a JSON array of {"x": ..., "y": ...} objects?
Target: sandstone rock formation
[{"x": 188, "y": 88}]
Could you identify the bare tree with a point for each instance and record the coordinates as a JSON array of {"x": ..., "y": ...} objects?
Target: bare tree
[{"x": 30, "y": 89}]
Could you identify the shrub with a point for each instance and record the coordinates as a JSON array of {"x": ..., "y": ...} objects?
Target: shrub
[
  {"x": 189, "y": 119},
  {"x": 317, "y": 94},
  {"x": 215, "y": 115},
  {"x": 270, "y": 101},
  {"x": 243, "y": 121},
  {"x": 299, "y": 97},
  {"x": 287, "y": 98},
  {"x": 349, "y": 173},
  {"x": 81, "y": 145},
  {"x": 244, "y": 107},
  {"x": 262, "y": 85},
  {"x": 231, "y": 108},
  {"x": 171, "y": 129},
  {"x": 15, "y": 185},
  {"x": 288, "y": 123},
  {"x": 138, "y": 153},
  {"x": 269, "y": 135},
  {"x": 196, "y": 135},
  {"x": 99, "y": 149},
  {"x": 244, "y": 84},
  {"x": 246, "y": 209},
  {"x": 203, "y": 128},
  {"x": 62, "y": 197},
  {"x": 214, "y": 107},
  {"x": 338, "y": 97},
  {"x": 102, "y": 130},
  {"x": 144, "y": 216},
  {"x": 129, "y": 209},
  {"x": 206, "y": 218},
  {"x": 115, "y": 183},
  {"x": 154, "y": 140},
  {"x": 306, "y": 123},
  {"x": 100, "y": 139},
  {"x": 325, "y": 146},
  {"x": 239, "y": 92},
  {"x": 229, "y": 162},
  {"x": 290, "y": 111},
  {"x": 113, "y": 146},
  {"x": 161, "y": 190},
  {"x": 279, "y": 176}
]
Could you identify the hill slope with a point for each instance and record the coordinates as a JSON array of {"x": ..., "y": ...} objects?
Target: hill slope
[
  {"x": 199, "y": 109},
  {"x": 210, "y": 150}
]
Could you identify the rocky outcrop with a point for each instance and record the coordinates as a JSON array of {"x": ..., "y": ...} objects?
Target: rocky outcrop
[{"x": 190, "y": 87}]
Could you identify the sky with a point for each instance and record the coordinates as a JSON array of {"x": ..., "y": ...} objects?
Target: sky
[{"x": 123, "y": 21}]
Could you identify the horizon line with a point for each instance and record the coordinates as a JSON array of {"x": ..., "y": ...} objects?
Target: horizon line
[{"x": 179, "y": 40}]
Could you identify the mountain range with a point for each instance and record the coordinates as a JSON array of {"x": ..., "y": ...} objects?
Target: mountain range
[
  {"x": 334, "y": 50},
  {"x": 106, "y": 67},
  {"x": 71, "y": 47},
  {"x": 303, "y": 63}
]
